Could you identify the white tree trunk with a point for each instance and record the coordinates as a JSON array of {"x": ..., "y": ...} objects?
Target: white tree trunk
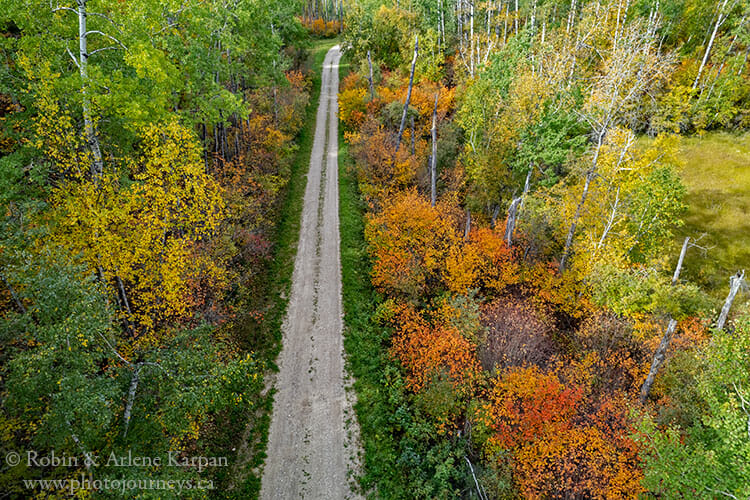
[
  {"x": 433, "y": 158},
  {"x": 678, "y": 269},
  {"x": 579, "y": 209},
  {"x": 720, "y": 18},
  {"x": 372, "y": 83},
  {"x": 734, "y": 286},
  {"x": 659, "y": 356},
  {"x": 408, "y": 94},
  {"x": 97, "y": 165},
  {"x": 514, "y": 209}
]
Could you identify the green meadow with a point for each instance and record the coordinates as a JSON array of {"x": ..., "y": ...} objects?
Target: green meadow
[{"x": 716, "y": 172}]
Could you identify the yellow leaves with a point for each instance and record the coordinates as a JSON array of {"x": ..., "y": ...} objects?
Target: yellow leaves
[
  {"x": 143, "y": 236},
  {"x": 623, "y": 202},
  {"x": 352, "y": 107},
  {"x": 147, "y": 62}
]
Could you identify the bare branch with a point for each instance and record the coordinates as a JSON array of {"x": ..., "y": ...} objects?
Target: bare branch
[
  {"x": 58, "y": 9},
  {"x": 75, "y": 61},
  {"x": 111, "y": 47},
  {"x": 113, "y": 23},
  {"x": 97, "y": 32}
]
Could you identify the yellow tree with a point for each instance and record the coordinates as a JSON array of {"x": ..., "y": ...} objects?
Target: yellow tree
[
  {"x": 140, "y": 235},
  {"x": 633, "y": 202}
]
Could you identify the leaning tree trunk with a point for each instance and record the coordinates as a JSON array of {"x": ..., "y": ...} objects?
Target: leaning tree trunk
[
  {"x": 734, "y": 286},
  {"x": 678, "y": 269},
  {"x": 433, "y": 158},
  {"x": 659, "y": 356},
  {"x": 579, "y": 208},
  {"x": 574, "y": 224},
  {"x": 134, "y": 381},
  {"x": 721, "y": 17},
  {"x": 661, "y": 351},
  {"x": 515, "y": 207},
  {"x": 408, "y": 94},
  {"x": 13, "y": 295}
]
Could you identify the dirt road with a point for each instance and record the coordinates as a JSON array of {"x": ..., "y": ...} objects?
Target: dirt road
[{"x": 313, "y": 435}]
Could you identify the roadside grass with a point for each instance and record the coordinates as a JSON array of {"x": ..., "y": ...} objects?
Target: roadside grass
[
  {"x": 716, "y": 173},
  {"x": 363, "y": 343},
  {"x": 249, "y": 433},
  {"x": 383, "y": 412}
]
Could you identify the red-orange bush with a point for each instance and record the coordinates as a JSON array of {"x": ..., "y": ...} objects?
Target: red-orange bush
[
  {"x": 484, "y": 262},
  {"x": 427, "y": 350},
  {"x": 560, "y": 447}
]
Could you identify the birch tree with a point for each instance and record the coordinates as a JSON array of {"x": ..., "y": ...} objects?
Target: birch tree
[{"x": 631, "y": 64}]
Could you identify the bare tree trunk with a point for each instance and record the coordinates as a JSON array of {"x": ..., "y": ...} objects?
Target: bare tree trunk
[
  {"x": 659, "y": 357},
  {"x": 88, "y": 459},
  {"x": 572, "y": 230},
  {"x": 131, "y": 397},
  {"x": 13, "y": 295},
  {"x": 515, "y": 207},
  {"x": 734, "y": 286},
  {"x": 97, "y": 165},
  {"x": 408, "y": 93},
  {"x": 467, "y": 227},
  {"x": 442, "y": 26},
  {"x": 471, "y": 38},
  {"x": 480, "y": 491},
  {"x": 579, "y": 209},
  {"x": 661, "y": 351},
  {"x": 610, "y": 223},
  {"x": 678, "y": 269},
  {"x": 505, "y": 25},
  {"x": 433, "y": 158},
  {"x": 495, "y": 213},
  {"x": 720, "y": 18},
  {"x": 125, "y": 301},
  {"x": 571, "y": 16},
  {"x": 510, "y": 223},
  {"x": 370, "y": 80}
]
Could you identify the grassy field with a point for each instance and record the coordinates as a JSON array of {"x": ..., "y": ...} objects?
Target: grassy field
[{"x": 716, "y": 173}]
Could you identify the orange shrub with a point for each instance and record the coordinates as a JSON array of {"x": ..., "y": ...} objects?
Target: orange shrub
[
  {"x": 410, "y": 242},
  {"x": 382, "y": 173},
  {"x": 559, "y": 451},
  {"x": 483, "y": 262}
]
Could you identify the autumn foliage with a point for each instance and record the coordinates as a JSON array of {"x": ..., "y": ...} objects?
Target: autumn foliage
[
  {"x": 319, "y": 27},
  {"x": 559, "y": 449},
  {"x": 410, "y": 241},
  {"x": 428, "y": 349},
  {"x": 537, "y": 362}
]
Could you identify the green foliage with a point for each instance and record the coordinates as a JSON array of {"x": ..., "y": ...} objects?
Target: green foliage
[
  {"x": 631, "y": 291},
  {"x": 68, "y": 386},
  {"x": 386, "y": 32},
  {"x": 550, "y": 144},
  {"x": 711, "y": 457}
]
